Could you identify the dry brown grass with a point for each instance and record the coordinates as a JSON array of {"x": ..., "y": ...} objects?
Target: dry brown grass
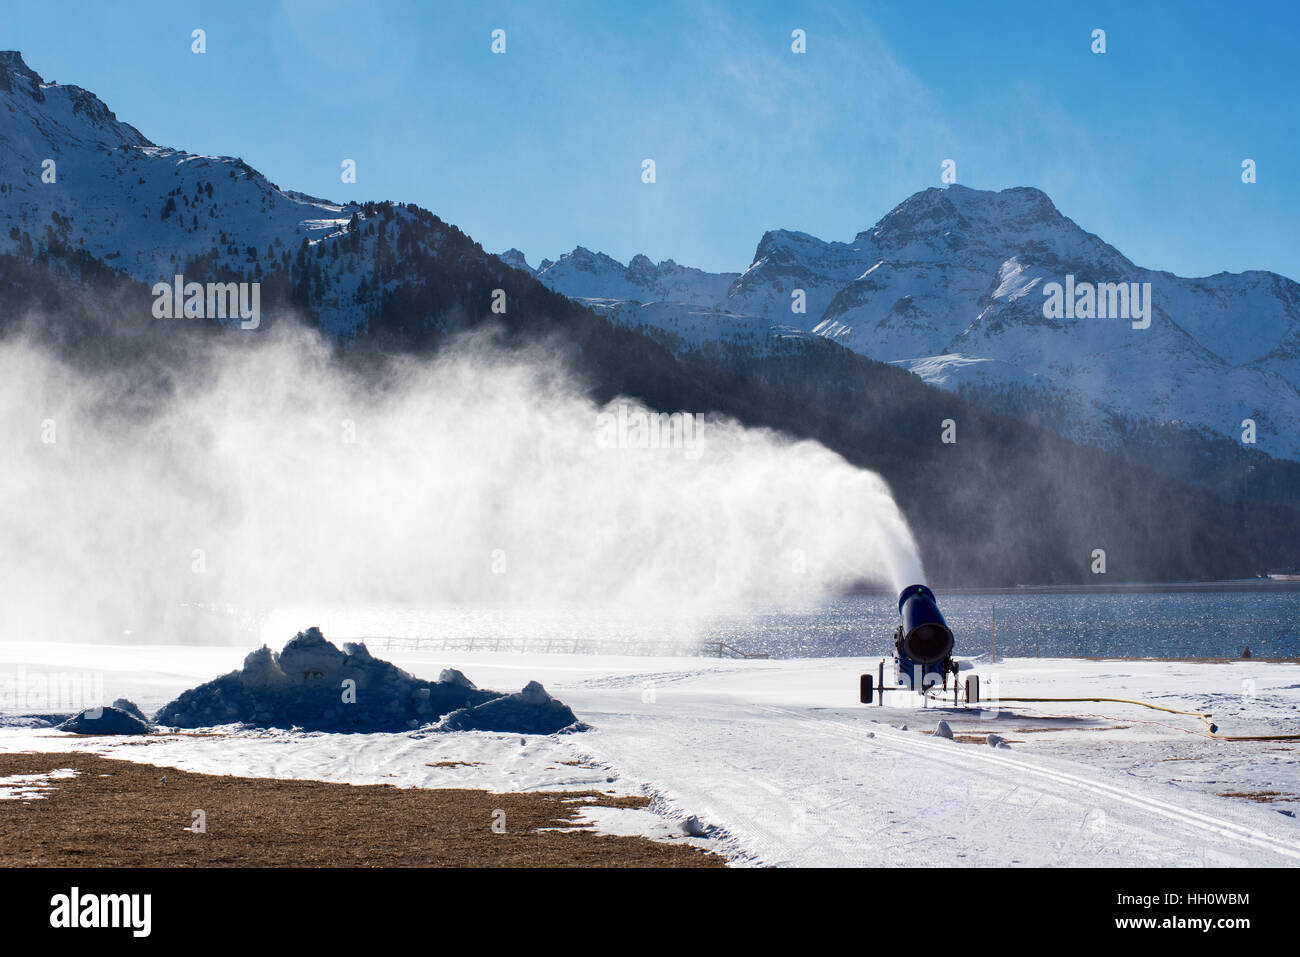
[
  {"x": 979, "y": 739},
  {"x": 1262, "y": 797},
  {"x": 122, "y": 814},
  {"x": 1102, "y": 727}
]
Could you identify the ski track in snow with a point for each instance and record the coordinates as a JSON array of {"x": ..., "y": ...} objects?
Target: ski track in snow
[
  {"x": 819, "y": 788},
  {"x": 1017, "y": 766},
  {"x": 782, "y": 766}
]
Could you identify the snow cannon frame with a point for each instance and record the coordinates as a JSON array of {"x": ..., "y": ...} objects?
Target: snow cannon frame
[{"x": 923, "y": 646}]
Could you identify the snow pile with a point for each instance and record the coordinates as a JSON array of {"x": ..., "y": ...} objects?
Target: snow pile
[
  {"x": 125, "y": 704},
  {"x": 530, "y": 711},
  {"x": 111, "y": 720},
  {"x": 694, "y": 827},
  {"x": 316, "y": 686},
  {"x": 31, "y": 721}
]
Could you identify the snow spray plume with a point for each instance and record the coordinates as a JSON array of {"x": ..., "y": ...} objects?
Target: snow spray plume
[{"x": 269, "y": 475}]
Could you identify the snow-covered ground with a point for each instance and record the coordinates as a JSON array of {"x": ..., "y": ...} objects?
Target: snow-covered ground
[{"x": 781, "y": 765}]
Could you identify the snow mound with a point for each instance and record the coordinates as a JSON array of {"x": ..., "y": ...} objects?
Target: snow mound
[
  {"x": 694, "y": 827},
  {"x": 452, "y": 676},
  {"x": 314, "y": 685},
  {"x": 530, "y": 711},
  {"x": 31, "y": 721},
  {"x": 130, "y": 707},
  {"x": 106, "y": 721}
]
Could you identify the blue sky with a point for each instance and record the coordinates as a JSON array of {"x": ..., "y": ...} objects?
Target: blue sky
[{"x": 541, "y": 148}]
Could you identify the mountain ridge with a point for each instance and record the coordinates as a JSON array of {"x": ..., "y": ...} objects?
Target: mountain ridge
[
  {"x": 958, "y": 272},
  {"x": 384, "y": 279}
]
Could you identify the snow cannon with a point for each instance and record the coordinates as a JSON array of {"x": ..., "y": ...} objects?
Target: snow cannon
[
  {"x": 923, "y": 646},
  {"x": 923, "y": 638}
]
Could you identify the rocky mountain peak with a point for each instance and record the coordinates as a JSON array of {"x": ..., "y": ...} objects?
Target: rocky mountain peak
[
  {"x": 64, "y": 110},
  {"x": 15, "y": 71},
  {"x": 516, "y": 259}
]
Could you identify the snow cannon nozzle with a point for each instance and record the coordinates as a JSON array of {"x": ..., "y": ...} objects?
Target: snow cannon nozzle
[
  {"x": 923, "y": 645},
  {"x": 925, "y": 637}
]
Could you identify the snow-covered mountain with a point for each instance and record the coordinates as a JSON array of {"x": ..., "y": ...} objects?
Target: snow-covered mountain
[
  {"x": 73, "y": 175},
  {"x": 957, "y": 274},
  {"x": 950, "y": 284},
  {"x": 169, "y": 215},
  {"x": 582, "y": 274},
  {"x": 685, "y": 327}
]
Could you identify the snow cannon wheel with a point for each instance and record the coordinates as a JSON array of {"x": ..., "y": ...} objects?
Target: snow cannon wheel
[
  {"x": 973, "y": 689},
  {"x": 866, "y": 687}
]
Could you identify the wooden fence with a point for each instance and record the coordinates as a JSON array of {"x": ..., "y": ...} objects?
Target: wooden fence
[{"x": 561, "y": 646}]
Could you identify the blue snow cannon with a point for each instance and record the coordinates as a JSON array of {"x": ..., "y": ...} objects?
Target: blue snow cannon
[
  {"x": 923, "y": 645},
  {"x": 923, "y": 638}
]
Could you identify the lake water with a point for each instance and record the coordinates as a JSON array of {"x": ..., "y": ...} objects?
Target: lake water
[
  {"x": 1183, "y": 624},
  {"x": 1197, "y": 624}
]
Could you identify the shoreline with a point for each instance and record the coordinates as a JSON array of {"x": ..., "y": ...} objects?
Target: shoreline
[{"x": 1116, "y": 588}]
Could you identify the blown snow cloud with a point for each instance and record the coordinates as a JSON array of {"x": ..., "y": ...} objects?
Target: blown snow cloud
[{"x": 272, "y": 476}]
